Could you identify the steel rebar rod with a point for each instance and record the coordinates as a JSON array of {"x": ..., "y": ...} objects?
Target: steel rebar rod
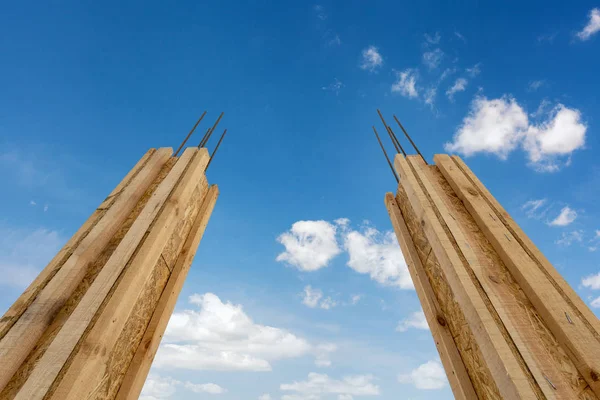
[
  {"x": 209, "y": 134},
  {"x": 189, "y": 134},
  {"x": 386, "y": 156},
  {"x": 216, "y": 148},
  {"x": 390, "y": 132},
  {"x": 409, "y": 139}
]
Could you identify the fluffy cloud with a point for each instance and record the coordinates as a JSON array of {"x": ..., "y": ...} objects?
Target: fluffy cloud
[
  {"x": 459, "y": 86},
  {"x": 314, "y": 298},
  {"x": 429, "y": 96},
  {"x": 427, "y": 376},
  {"x": 593, "y": 25},
  {"x": 265, "y": 396},
  {"x": 433, "y": 58},
  {"x": 416, "y": 320},
  {"x": 371, "y": 59},
  {"x": 532, "y": 208},
  {"x": 595, "y": 241},
  {"x": 535, "y": 85},
  {"x": 220, "y": 336},
  {"x": 566, "y": 217},
  {"x": 406, "y": 83},
  {"x": 157, "y": 387},
  {"x": 474, "y": 70},
  {"x": 499, "y": 126},
  {"x": 18, "y": 264},
  {"x": 432, "y": 39},
  {"x": 592, "y": 282},
  {"x": 309, "y": 245},
  {"x": 321, "y": 384},
  {"x": 595, "y": 303},
  {"x": 377, "y": 254}
]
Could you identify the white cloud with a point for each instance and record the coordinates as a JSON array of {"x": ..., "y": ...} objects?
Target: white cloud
[
  {"x": 499, "y": 126},
  {"x": 18, "y": 264},
  {"x": 416, "y": 320},
  {"x": 371, "y": 59},
  {"x": 474, "y": 70},
  {"x": 157, "y": 387},
  {"x": 334, "y": 87},
  {"x": 592, "y": 282},
  {"x": 377, "y": 254},
  {"x": 406, "y": 83},
  {"x": 265, "y": 396},
  {"x": 355, "y": 299},
  {"x": 595, "y": 241},
  {"x": 493, "y": 126},
  {"x": 32, "y": 203},
  {"x": 535, "y": 85},
  {"x": 531, "y": 208},
  {"x": 459, "y": 86},
  {"x": 566, "y": 216},
  {"x": 429, "y": 96},
  {"x": 311, "y": 297},
  {"x": 320, "y": 384},
  {"x": 432, "y": 59},
  {"x": 309, "y": 245},
  {"x": 343, "y": 222},
  {"x": 568, "y": 238},
  {"x": 559, "y": 136},
  {"x": 314, "y": 298},
  {"x": 210, "y": 388},
  {"x": 447, "y": 72},
  {"x": 593, "y": 25},
  {"x": 595, "y": 303},
  {"x": 428, "y": 376},
  {"x": 220, "y": 336},
  {"x": 323, "y": 353},
  {"x": 460, "y": 36},
  {"x": 432, "y": 39}
]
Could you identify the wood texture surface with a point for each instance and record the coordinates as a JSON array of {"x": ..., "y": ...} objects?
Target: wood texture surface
[
  {"x": 122, "y": 320},
  {"x": 22, "y": 336},
  {"x": 453, "y": 364},
  {"x": 140, "y": 365},
  {"x": 25, "y": 299}
]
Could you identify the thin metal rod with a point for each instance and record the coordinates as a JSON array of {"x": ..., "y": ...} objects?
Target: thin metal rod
[
  {"x": 392, "y": 135},
  {"x": 209, "y": 134},
  {"x": 216, "y": 148},
  {"x": 190, "y": 134},
  {"x": 409, "y": 139},
  {"x": 386, "y": 156}
]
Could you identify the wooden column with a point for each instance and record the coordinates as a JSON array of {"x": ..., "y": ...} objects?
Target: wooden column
[
  {"x": 505, "y": 322},
  {"x": 93, "y": 318}
]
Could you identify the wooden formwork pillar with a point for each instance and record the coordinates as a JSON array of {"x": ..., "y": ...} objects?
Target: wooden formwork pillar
[
  {"x": 506, "y": 324},
  {"x": 89, "y": 325}
]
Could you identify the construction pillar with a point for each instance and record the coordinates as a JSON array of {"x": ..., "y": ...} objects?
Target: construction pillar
[
  {"x": 505, "y": 323},
  {"x": 89, "y": 325}
]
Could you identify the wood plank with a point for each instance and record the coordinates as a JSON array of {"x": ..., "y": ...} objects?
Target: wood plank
[
  {"x": 21, "y": 338},
  {"x": 572, "y": 333},
  {"x": 511, "y": 380},
  {"x": 481, "y": 377},
  {"x": 142, "y": 361},
  {"x": 533, "y": 341},
  {"x": 27, "y": 297},
  {"x": 57, "y": 353},
  {"x": 461, "y": 385},
  {"x": 568, "y": 293},
  {"x": 90, "y": 373}
]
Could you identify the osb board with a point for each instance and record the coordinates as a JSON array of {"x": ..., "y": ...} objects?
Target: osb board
[
  {"x": 31, "y": 361},
  {"x": 27, "y": 297},
  {"x": 536, "y": 348},
  {"x": 480, "y": 375},
  {"x": 146, "y": 350}
]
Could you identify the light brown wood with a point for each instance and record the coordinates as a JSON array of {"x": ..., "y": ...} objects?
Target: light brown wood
[
  {"x": 511, "y": 380},
  {"x": 56, "y": 355},
  {"x": 20, "y": 339},
  {"x": 21, "y": 304},
  {"x": 90, "y": 374},
  {"x": 140, "y": 365},
  {"x": 532, "y": 341},
  {"x": 574, "y": 335},
  {"x": 531, "y": 249},
  {"x": 453, "y": 364}
]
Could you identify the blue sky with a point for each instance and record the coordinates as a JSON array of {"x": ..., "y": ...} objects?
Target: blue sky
[{"x": 265, "y": 314}]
